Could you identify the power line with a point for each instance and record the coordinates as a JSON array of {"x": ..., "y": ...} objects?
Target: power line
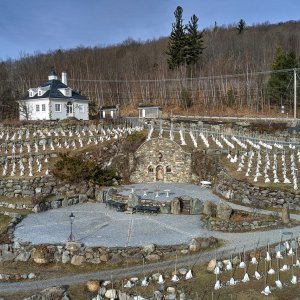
[{"x": 212, "y": 77}]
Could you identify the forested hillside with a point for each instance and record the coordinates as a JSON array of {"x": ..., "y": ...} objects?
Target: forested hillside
[{"x": 134, "y": 72}]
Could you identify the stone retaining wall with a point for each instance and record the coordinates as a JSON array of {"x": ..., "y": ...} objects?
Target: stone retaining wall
[
  {"x": 41, "y": 187},
  {"x": 78, "y": 254},
  {"x": 248, "y": 194},
  {"x": 227, "y": 226}
]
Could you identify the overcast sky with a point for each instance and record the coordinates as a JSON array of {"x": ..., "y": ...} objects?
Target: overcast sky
[{"x": 27, "y": 26}]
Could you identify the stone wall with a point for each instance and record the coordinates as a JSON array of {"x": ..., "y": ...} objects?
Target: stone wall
[
  {"x": 78, "y": 254},
  {"x": 42, "y": 187},
  {"x": 178, "y": 205},
  {"x": 243, "y": 226},
  {"x": 163, "y": 160},
  {"x": 27, "y": 187},
  {"x": 248, "y": 194}
]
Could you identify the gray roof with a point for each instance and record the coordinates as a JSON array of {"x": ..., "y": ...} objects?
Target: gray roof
[{"x": 54, "y": 92}]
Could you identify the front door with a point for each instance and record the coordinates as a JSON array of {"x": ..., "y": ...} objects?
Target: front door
[{"x": 69, "y": 109}]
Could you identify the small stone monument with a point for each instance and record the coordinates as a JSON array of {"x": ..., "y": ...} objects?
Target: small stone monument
[
  {"x": 209, "y": 209},
  {"x": 196, "y": 206},
  {"x": 285, "y": 215},
  {"x": 175, "y": 206},
  {"x": 133, "y": 200},
  {"x": 224, "y": 211}
]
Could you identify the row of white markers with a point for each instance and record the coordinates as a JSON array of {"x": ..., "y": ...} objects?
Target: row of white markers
[
  {"x": 27, "y": 134},
  {"x": 19, "y": 168},
  {"x": 69, "y": 143},
  {"x": 263, "y": 167},
  {"x": 290, "y": 250}
]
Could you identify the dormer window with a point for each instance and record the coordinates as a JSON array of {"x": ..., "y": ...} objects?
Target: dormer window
[
  {"x": 67, "y": 92},
  {"x": 40, "y": 93},
  {"x": 31, "y": 94}
]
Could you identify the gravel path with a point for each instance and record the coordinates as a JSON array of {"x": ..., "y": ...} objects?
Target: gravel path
[{"x": 94, "y": 221}]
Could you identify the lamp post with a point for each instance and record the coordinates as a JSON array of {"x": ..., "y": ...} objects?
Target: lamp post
[{"x": 71, "y": 236}]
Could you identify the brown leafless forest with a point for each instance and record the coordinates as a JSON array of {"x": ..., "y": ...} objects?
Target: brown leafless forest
[{"x": 134, "y": 72}]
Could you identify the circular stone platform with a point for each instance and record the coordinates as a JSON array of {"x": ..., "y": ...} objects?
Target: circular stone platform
[
  {"x": 97, "y": 225},
  {"x": 174, "y": 190}
]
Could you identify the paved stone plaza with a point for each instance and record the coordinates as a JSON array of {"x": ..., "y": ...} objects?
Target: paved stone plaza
[{"x": 97, "y": 225}]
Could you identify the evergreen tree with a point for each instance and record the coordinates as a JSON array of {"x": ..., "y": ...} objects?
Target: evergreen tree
[
  {"x": 176, "y": 41},
  {"x": 194, "y": 42},
  {"x": 241, "y": 26},
  {"x": 280, "y": 84}
]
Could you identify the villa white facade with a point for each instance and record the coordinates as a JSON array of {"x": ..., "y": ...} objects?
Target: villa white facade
[{"x": 53, "y": 100}]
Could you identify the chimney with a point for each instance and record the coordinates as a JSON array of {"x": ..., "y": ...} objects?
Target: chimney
[{"x": 64, "y": 78}]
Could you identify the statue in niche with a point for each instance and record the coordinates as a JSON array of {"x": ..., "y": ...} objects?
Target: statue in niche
[
  {"x": 159, "y": 173},
  {"x": 160, "y": 156}
]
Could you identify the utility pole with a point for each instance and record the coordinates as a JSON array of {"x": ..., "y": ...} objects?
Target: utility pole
[{"x": 295, "y": 93}]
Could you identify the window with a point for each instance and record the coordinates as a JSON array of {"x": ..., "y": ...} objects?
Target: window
[
  {"x": 168, "y": 169},
  {"x": 68, "y": 93},
  {"x": 40, "y": 93},
  {"x": 43, "y": 107},
  {"x": 150, "y": 169},
  {"x": 81, "y": 108},
  {"x": 37, "y": 107},
  {"x": 57, "y": 107}
]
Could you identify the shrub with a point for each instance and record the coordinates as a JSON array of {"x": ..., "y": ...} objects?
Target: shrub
[
  {"x": 133, "y": 141},
  {"x": 75, "y": 169}
]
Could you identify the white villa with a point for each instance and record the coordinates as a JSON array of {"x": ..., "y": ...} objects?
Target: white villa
[{"x": 53, "y": 100}]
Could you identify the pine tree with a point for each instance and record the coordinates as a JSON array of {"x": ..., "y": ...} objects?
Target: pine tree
[
  {"x": 241, "y": 26},
  {"x": 280, "y": 84},
  {"x": 185, "y": 43},
  {"x": 194, "y": 42},
  {"x": 176, "y": 41}
]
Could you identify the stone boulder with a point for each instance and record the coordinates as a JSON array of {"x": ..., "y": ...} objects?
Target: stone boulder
[
  {"x": 194, "y": 245},
  {"x": 6, "y": 255},
  {"x": 211, "y": 265},
  {"x": 93, "y": 285},
  {"x": 23, "y": 256},
  {"x": 73, "y": 246},
  {"x": 224, "y": 211},
  {"x": 133, "y": 200},
  {"x": 196, "y": 206},
  {"x": 175, "y": 206},
  {"x": 209, "y": 209},
  {"x": 104, "y": 257},
  {"x": 77, "y": 260},
  {"x": 65, "y": 257},
  {"x": 41, "y": 256},
  {"x": 115, "y": 259},
  {"x": 149, "y": 248}
]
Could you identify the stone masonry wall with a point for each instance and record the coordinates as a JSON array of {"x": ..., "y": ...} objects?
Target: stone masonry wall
[
  {"x": 47, "y": 186},
  {"x": 161, "y": 160},
  {"x": 248, "y": 194}
]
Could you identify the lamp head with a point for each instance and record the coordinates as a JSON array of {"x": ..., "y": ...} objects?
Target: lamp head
[{"x": 72, "y": 217}]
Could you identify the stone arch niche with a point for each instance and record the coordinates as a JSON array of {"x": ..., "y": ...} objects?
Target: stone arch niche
[
  {"x": 169, "y": 161},
  {"x": 159, "y": 173}
]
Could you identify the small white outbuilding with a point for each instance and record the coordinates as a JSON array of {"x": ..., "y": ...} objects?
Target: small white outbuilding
[{"x": 53, "y": 100}]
